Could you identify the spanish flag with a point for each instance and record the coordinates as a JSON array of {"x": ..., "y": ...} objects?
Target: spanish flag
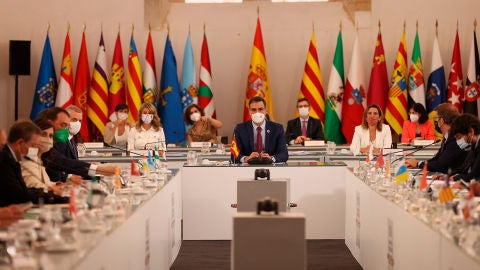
[{"x": 234, "y": 148}]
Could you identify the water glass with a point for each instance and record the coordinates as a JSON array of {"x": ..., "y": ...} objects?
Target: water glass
[
  {"x": 331, "y": 148},
  {"x": 81, "y": 149},
  {"x": 205, "y": 147},
  {"x": 220, "y": 149},
  {"x": 192, "y": 158}
]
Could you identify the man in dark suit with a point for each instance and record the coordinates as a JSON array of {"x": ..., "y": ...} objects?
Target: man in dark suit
[
  {"x": 23, "y": 135},
  {"x": 259, "y": 137},
  {"x": 69, "y": 149},
  {"x": 450, "y": 155},
  {"x": 303, "y": 128},
  {"x": 466, "y": 131}
]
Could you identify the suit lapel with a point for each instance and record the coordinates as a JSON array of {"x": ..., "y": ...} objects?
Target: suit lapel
[{"x": 250, "y": 136}]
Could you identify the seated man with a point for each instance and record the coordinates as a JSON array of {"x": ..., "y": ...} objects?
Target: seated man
[
  {"x": 259, "y": 137},
  {"x": 303, "y": 128},
  {"x": 466, "y": 130},
  {"x": 450, "y": 155}
]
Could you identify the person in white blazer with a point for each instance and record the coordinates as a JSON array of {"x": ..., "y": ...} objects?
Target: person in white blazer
[{"x": 372, "y": 131}]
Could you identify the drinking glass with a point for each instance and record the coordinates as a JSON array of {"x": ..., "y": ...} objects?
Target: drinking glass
[
  {"x": 192, "y": 158},
  {"x": 331, "y": 148},
  {"x": 81, "y": 149},
  {"x": 205, "y": 147}
]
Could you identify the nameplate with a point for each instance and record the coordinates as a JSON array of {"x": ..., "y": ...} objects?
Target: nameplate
[
  {"x": 93, "y": 144},
  {"x": 199, "y": 144},
  {"x": 314, "y": 143},
  {"x": 421, "y": 142}
]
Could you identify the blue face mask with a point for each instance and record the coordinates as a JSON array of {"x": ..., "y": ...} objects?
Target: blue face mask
[{"x": 464, "y": 145}]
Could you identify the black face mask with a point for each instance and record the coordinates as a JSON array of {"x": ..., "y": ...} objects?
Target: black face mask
[{"x": 437, "y": 128}]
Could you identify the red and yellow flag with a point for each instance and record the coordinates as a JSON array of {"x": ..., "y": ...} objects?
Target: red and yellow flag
[
  {"x": 312, "y": 85},
  {"x": 97, "y": 110},
  {"x": 258, "y": 83},
  {"x": 397, "y": 103},
  {"x": 423, "y": 183},
  {"x": 82, "y": 84},
  {"x": 234, "y": 148},
  {"x": 64, "y": 92},
  {"x": 378, "y": 87},
  {"x": 134, "y": 83},
  {"x": 116, "y": 92}
]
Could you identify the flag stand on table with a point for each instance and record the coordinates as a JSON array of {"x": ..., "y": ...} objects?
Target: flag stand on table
[{"x": 423, "y": 183}]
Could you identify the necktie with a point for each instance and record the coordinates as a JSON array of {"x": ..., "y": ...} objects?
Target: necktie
[
  {"x": 259, "y": 139},
  {"x": 304, "y": 128},
  {"x": 73, "y": 148}
]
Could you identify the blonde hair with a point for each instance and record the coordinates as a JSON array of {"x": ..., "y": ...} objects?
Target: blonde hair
[{"x": 151, "y": 110}]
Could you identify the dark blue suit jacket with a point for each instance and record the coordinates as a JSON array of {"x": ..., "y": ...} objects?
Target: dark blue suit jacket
[
  {"x": 314, "y": 129},
  {"x": 12, "y": 186},
  {"x": 274, "y": 141}
]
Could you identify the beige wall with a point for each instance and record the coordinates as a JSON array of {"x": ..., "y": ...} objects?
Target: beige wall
[{"x": 230, "y": 29}]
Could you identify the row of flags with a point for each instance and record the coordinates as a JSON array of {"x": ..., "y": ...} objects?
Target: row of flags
[{"x": 98, "y": 94}]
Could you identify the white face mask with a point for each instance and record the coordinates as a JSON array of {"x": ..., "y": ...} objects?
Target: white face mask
[
  {"x": 122, "y": 116},
  {"x": 303, "y": 111},
  {"x": 258, "y": 118},
  {"x": 46, "y": 144},
  {"x": 195, "y": 116},
  {"x": 74, "y": 127},
  {"x": 147, "y": 118},
  {"x": 32, "y": 153},
  {"x": 414, "y": 117}
]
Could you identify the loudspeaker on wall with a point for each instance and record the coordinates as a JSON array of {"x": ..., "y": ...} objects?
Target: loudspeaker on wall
[{"x": 19, "y": 57}]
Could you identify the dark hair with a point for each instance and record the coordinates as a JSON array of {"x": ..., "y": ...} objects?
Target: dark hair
[
  {"x": 380, "y": 114},
  {"x": 420, "y": 109},
  {"x": 448, "y": 112},
  {"x": 463, "y": 123},
  {"x": 256, "y": 99},
  {"x": 43, "y": 123},
  {"x": 52, "y": 113},
  {"x": 186, "y": 114},
  {"x": 303, "y": 99},
  {"x": 121, "y": 106},
  {"x": 23, "y": 129}
]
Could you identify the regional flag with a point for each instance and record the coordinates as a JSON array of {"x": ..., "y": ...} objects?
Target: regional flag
[
  {"x": 354, "y": 98},
  {"x": 234, "y": 148},
  {"x": 188, "y": 88},
  {"x": 169, "y": 105},
  {"x": 150, "y": 90},
  {"x": 44, "y": 96},
  {"x": 65, "y": 86},
  {"x": 379, "y": 85},
  {"x": 401, "y": 175},
  {"x": 97, "y": 109},
  {"x": 312, "y": 86},
  {"x": 258, "y": 83},
  {"x": 472, "y": 89},
  {"x": 455, "y": 91},
  {"x": 423, "y": 183},
  {"x": 82, "y": 84},
  {"x": 436, "y": 81},
  {"x": 416, "y": 85},
  {"x": 116, "y": 91},
  {"x": 396, "y": 111},
  {"x": 134, "y": 83},
  {"x": 333, "y": 107},
  {"x": 205, "y": 94}
]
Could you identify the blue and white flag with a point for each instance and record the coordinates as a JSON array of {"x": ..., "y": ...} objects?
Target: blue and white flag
[
  {"x": 187, "y": 85},
  {"x": 45, "y": 91},
  {"x": 436, "y": 87}
]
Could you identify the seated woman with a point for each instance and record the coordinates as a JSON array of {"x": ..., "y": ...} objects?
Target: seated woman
[
  {"x": 204, "y": 129},
  {"x": 33, "y": 172},
  {"x": 116, "y": 131},
  {"x": 372, "y": 132},
  {"x": 418, "y": 127},
  {"x": 148, "y": 132}
]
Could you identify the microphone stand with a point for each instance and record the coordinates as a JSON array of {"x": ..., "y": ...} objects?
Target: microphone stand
[{"x": 416, "y": 149}]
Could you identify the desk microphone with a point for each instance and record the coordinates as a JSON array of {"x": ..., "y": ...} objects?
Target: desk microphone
[
  {"x": 415, "y": 149},
  {"x": 156, "y": 144},
  {"x": 122, "y": 149}
]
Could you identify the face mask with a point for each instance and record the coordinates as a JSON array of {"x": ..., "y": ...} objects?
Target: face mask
[
  {"x": 32, "y": 153},
  {"x": 195, "y": 117},
  {"x": 45, "y": 145},
  {"x": 437, "y": 127},
  {"x": 414, "y": 117},
  {"x": 122, "y": 116},
  {"x": 61, "y": 135},
  {"x": 74, "y": 127},
  {"x": 372, "y": 121},
  {"x": 464, "y": 145},
  {"x": 258, "y": 118},
  {"x": 147, "y": 118},
  {"x": 303, "y": 111}
]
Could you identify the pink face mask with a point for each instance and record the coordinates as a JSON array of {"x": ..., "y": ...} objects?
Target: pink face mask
[{"x": 372, "y": 120}]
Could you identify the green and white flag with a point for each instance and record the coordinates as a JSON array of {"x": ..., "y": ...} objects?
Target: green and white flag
[{"x": 333, "y": 106}]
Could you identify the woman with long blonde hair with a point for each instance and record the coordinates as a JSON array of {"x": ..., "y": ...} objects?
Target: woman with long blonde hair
[{"x": 148, "y": 131}]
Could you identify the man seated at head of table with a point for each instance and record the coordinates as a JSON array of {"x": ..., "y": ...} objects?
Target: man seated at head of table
[
  {"x": 371, "y": 133},
  {"x": 117, "y": 130},
  {"x": 258, "y": 137},
  {"x": 304, "y": 127},
  {"x": 148, "y": 131},
  {"x": 450, "y": 155}
]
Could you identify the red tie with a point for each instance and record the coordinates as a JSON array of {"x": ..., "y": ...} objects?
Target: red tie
[
  {"x": 304, "y": 128},
  {"x": 259, "y": 139}
]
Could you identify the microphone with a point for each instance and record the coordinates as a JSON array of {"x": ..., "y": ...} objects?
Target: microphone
[
  {"x": 122, "y": 149},
  {"x": 160, "y": 144},
  {"x": 416, "y": 149}
]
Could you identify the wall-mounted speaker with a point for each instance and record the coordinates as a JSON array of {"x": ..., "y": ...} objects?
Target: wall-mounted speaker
[{"x": 19, "y": 57}]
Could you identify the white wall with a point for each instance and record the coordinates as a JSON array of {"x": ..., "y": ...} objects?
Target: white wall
[{"x": 230, "y": 30}]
